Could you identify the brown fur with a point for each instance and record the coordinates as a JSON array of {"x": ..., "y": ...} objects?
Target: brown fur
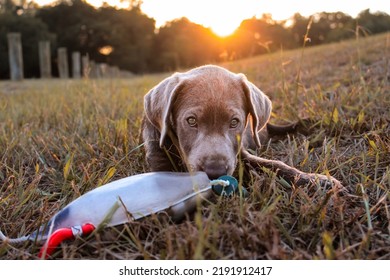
[{"x": 230, "y": 115}]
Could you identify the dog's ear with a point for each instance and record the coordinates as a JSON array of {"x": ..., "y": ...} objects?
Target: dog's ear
[
  {"x": 158, "y": 104},
  {"x": 260, "y": 107}
]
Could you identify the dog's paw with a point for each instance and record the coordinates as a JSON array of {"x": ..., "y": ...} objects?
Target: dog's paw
[{"x": 327, "y": 182}]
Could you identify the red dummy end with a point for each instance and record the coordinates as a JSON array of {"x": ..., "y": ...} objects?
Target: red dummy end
[{"x": 61, "y": 235}]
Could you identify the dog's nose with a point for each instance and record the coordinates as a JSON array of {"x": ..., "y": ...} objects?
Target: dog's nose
[{"x": 215, "y": 168}]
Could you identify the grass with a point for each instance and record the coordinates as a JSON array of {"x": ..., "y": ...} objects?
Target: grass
[{"x": 59, "y": 139}]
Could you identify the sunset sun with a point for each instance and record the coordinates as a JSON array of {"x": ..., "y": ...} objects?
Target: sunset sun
[{"x": 222, "y": 17}]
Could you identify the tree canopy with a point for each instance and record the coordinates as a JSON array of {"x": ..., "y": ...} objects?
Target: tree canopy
[{"x": 128, "y": 38}]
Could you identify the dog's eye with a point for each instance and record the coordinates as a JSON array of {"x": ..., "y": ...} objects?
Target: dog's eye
[
  {"x": 192, "y": 121},
  {"x": 234, "y": 123}
]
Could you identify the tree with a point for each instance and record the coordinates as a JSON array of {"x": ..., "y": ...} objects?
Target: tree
[
  {"x": 257, "y": 36},
  {"x": 374, "y": 22},
  {"x": 325, "y": 27},
  {"x": 130, "y": 35},
  {"x": 329, "y": 27},
  {"x": 7, "y": 6},
  {"x": 73, "y": 23},
  {"x": 81, "y": 27},
  {"x": 182, "y": 43}
]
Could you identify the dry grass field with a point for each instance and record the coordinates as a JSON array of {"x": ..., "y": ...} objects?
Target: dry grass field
[{"x": 60, "y": 139}]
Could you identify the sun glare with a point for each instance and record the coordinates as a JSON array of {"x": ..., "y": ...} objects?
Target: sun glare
[
  {"x": 222, "y": 16},
  {"x": 224, "y": 28}
]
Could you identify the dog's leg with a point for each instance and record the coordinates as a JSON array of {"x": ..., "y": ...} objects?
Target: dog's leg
[{"x": 288, "y": 173}]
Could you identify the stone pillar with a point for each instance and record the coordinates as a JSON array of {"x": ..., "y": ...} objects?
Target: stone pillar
[
  {"x": 115, "y": 72},
  {"x": 85, "y": 65},
  {"x": 45, "y": 59},
  {"x": 103, "y": 67},
  {"x": 95, "y": 73},
  {"x": 63, "y": 68},
  {"x": 76, "y": 65},
  {"x": 15, "y": 56}
]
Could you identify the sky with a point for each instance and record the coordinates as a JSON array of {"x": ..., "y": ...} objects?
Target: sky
[{"x": 224, "y": 16}]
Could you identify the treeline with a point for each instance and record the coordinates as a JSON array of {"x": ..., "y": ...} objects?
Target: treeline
[{"x": 128, "y": 38}]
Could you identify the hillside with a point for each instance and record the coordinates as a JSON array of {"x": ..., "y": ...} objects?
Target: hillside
[{"x": 59, "y": 139}]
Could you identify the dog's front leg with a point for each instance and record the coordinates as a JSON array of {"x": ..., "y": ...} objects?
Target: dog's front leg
[{"x": 288, "y": 173}]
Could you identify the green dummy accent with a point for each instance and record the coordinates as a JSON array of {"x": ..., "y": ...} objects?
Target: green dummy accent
[{"x": 225, "y": 189}]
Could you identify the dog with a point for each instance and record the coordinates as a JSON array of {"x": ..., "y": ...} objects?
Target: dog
[{"x": 201, "y": 120}]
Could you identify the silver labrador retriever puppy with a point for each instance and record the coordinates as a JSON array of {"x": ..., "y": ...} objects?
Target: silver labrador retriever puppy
[{"x": 201, "y": 119}]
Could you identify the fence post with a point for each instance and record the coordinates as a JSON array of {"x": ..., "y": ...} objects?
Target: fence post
[
  {"x": 15, "y": 56},
  {"x": 63, "y": 68},
  {"x": 45, "y": 59},
  {"x": 115, "y": 72},
  {"x": 85, "y": 65},
  {"x": 103, "y": 70},
  {"x": 76, "y": 67},
  {"x": 95, "y": 73}
]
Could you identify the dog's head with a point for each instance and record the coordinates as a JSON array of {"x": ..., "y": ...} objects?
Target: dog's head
[{"x": 205, "y": 112}]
